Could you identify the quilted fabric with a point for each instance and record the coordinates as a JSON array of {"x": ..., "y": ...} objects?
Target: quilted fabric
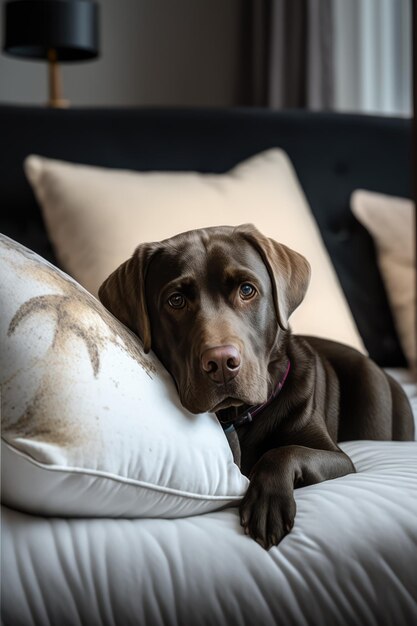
[{"x": 350, "y": 559}]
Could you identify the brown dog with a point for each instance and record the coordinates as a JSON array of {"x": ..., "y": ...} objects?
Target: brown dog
[{"x": 214, "y": 305}]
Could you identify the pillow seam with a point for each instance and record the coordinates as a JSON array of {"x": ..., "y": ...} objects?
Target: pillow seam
[{"x": 120, "y": 479}]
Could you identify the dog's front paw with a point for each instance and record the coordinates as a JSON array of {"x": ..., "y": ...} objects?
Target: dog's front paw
[{"x": 267, "y": 513}]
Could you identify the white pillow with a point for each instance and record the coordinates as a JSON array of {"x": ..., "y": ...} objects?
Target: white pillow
[
  {"x": 96, "y": 217},
  {"x": 390, "y": 221},
  {"x": 90, "y": 425}
]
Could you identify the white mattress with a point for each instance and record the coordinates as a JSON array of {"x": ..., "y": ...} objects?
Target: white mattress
[{"x": 350, "y": 559}]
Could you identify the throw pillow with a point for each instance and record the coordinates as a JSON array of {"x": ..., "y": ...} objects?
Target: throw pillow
[
  {"x": 96, "y": 217},
  {"x": 390, "y": 222},
  {"x": 90, "y": 425}
]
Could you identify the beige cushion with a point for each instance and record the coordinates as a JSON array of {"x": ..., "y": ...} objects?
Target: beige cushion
[
  {"x": 390, "y": 221},
  {"x": 96, "y": 217},
  {"x": 91, "y": 426}
]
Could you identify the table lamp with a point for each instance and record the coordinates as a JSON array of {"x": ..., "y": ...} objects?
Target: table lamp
[{"x": 55, "y": 30}]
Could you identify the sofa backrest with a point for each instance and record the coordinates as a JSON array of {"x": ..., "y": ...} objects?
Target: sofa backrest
[{"x": 333, "y": 154}]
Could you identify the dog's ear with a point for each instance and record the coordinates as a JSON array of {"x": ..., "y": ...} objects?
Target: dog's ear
[
  {"x": 289, "y": 272},
  {"x": 123, "y": 293}
]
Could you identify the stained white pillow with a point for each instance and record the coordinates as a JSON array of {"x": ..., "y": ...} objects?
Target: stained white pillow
[
  {"x": 96, "y": 217},
  {"x": 390, "y": 222},
  {"x": 90, "y": 425}
]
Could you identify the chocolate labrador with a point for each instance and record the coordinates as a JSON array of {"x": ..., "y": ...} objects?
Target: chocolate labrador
[{"x": 214, "y": 305}]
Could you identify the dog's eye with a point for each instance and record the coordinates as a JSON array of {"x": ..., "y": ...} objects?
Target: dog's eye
[
  {"x": 176, "y": 301},
  {"x": 247, "y": 291}
]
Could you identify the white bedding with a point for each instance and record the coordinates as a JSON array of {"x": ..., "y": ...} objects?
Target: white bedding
[{"x": 350, "y": 559}]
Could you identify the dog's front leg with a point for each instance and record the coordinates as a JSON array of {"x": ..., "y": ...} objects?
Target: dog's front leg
[{"x": 268, "y": 509}]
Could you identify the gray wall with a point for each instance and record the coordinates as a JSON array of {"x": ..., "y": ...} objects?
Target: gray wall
[{"x": 153, "y": 52}]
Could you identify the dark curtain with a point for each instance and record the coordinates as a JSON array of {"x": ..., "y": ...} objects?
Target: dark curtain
[{"x": 287, "y": 53}]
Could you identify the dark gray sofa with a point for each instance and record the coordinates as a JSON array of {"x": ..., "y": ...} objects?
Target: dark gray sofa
[{"x": 333, "y": 155}]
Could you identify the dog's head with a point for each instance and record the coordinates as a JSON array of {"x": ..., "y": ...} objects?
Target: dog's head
[{"x": 213, "y": 305}]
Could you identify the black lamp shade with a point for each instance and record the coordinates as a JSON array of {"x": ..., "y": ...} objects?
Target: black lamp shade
[{"x": 33, "y": 27}]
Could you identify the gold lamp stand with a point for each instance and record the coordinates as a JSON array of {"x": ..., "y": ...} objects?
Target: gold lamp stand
[{"x": 55, "y": 83}]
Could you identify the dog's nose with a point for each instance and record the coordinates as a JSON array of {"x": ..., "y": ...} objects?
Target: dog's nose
[{"x": 221, "y": 363}]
